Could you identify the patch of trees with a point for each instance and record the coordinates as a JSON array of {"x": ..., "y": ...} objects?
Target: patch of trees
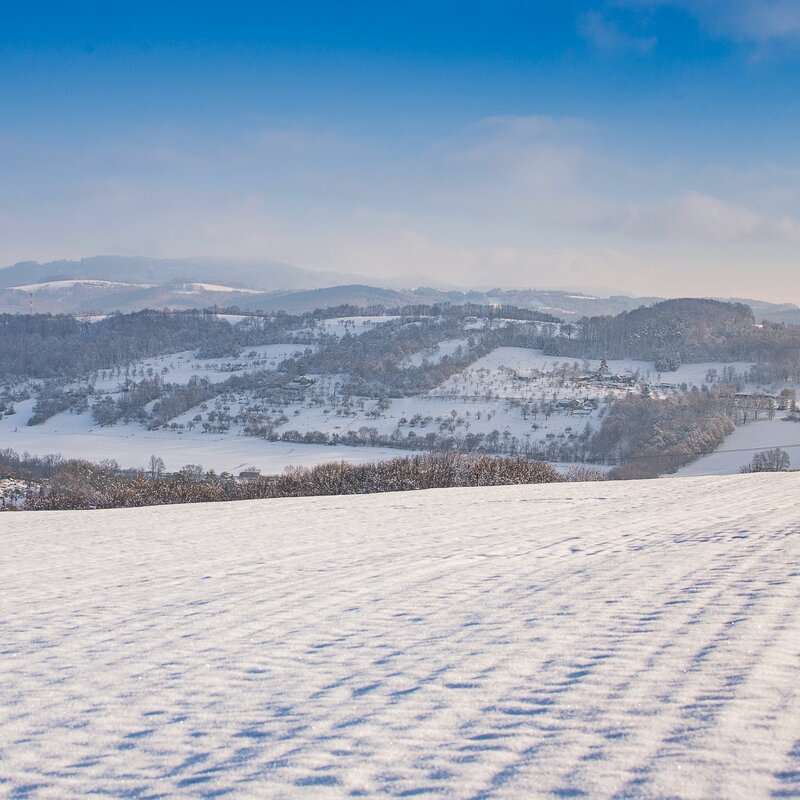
[
  {"x": 221, "y": 346},
  {"x": 477, "y": 310},
  {"x": 53, "y": 399},
  {"x": 687, "y": 330},
  {"x": 176, "y": 399},
  {"x": 450, "y": 310},
  {"x": 376, "y": 352},
  {"x": 80, "y": 485},
  {"x": 9, "y": 396},
  {"x": 648, "y": 436},
  {"x": 573, "y": 449},
  {"x": 774, "y": 460},
  {"x": 61, "y": 346},
  {"x": 129, "y": 403},
  {"x": 172, "y": 400},
  {"x": 49, "y": 346},
  {"x": 376, "y": 360},
  {"x": 671, "y": 332},
  {"x": 26, "y": 466}
]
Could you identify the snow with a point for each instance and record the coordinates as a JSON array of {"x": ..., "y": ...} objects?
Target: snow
[
  {"x": 433, "y": 355},
  {"x": 585, "y": 640},
  {"x": 181, "y": 367},
  {"x": 72, "y": 283},
  {"x": 519, "y": 396},
  {"x": 92, "y": 317},
  {"x": 215, "y": 287},
  {"x": 740, "y": 447},
  {"x": 235, "y": 319},
  {"x": 526, "y": 360},
  {"x": 694, "y": 374},
  {"x": 14, "y": 491},
  {"x": 355, "y": 326},
  {"x": 78, "y": 436}
]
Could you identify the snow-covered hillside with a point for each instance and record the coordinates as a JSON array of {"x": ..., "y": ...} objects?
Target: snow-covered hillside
[
  {"x": 513, "y": 397},
  {"x": 738, "y": 449},
  {"x": 77, "y": 436},
  {"x": 571, "y": 640}
]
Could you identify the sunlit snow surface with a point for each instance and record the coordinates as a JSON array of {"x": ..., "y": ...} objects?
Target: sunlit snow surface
[{"x": 585, "y": 640}]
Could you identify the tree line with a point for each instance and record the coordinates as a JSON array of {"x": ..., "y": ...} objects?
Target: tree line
[{"x": 80, "y": 485}]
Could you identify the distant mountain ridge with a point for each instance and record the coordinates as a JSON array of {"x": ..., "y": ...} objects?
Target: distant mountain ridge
[
  {"x": 103, "y": 284},
  {"x": 267, "y": 275}
]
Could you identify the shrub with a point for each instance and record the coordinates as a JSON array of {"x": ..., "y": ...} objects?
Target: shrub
[
  {"x": 82, "y": 486},
  {"x": 774, "y": 460}
]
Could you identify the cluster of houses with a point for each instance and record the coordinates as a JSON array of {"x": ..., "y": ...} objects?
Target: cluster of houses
[
  {"x": 603, "y": 376},
  {"x": 608, "y": 380},
  {"x": 750, "y": 406},
  {"x": 582, "y": 407}
]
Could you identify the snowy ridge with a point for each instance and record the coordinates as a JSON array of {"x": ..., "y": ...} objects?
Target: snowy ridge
[
  {"x": 72, "y": 283},
  {"x": 216, "y": 287},
  {"x": 570, "y": 640}
]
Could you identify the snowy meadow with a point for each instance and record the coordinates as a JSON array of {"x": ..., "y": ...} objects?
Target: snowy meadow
[{"x": 570, "y": 640}]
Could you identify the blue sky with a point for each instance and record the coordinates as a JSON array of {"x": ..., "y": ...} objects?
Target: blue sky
[{"x": 644, "y": 145}]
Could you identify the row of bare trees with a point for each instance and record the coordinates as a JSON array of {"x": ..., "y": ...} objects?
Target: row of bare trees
[{"x": 86, "y": 486}]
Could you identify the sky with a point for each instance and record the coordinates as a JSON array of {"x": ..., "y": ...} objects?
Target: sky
[{"x": 641, "y": 146}]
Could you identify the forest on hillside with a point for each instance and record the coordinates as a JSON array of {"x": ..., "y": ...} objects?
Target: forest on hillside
[
  {"x": 667, "y": 333},
  {"x": 687, "y": 331},
  {"x": 344, "y": 376}
]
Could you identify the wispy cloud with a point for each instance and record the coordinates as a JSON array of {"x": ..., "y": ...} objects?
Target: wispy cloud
[
  {"x": 699, "y": 216},
  {"x": 507, "y": 200},
  {"x": 522, "y": 168},
  {"x": 606, "y": 35},
  {"x": 759, "y": 22}
]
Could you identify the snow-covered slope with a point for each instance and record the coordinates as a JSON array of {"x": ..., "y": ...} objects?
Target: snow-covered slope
[
  {"x": 573, "y": 640},
  {"x": 738, "y": 449}
]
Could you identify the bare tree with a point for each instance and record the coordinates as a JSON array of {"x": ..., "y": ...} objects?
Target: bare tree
[
  {"x": 156, "y": 467},
  {"x": 774, "y": 460}
]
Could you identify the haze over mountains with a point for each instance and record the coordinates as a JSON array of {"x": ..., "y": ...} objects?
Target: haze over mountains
[{"x": 103, "y": 284}]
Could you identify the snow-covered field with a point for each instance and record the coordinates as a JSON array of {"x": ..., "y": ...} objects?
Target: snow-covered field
[
  {"x": 182, "y": 367},
  {"x": 433, "y": 355},
  {"x": 738, "y": 448},
  {"x": 340, "y": 326},
  {"x": 564, "y": 641},
  {"x": 77, "y": 436},
  {"x": 528, "y": 363}
]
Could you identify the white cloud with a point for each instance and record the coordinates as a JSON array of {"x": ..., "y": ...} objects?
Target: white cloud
[
  {"x": 702, "y": 217},
  {"x": 606, "y": 35},
  {"x": 749, "y": 21},
  {"x": 530, "y": 170},
  {"x": 509, "y": 200}
]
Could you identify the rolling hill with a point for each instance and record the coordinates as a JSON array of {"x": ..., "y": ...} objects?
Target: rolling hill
[{"x": 104, "y": 284}]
